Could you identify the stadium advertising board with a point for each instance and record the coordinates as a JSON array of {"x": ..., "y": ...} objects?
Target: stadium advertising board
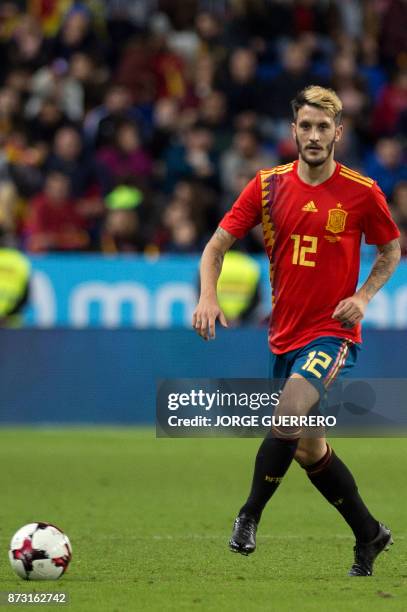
[{"x": 111, "y": 292}]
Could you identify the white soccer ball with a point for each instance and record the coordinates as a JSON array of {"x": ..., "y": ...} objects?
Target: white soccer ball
[{"x": 40, "y": 551}]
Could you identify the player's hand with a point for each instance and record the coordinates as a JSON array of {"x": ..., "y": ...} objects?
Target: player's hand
[
  {"x": 350, "y": 311},
  {"x": 204, "y": 318}
]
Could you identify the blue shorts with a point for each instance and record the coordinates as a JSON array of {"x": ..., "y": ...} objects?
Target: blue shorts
[{"x": 321, "y": 361}]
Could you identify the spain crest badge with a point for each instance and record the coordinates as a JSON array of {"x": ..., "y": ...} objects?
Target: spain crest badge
[{"x": 336, "y": 219}]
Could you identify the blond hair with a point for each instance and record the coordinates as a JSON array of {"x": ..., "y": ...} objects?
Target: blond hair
[{"x": 321, "y": 97}]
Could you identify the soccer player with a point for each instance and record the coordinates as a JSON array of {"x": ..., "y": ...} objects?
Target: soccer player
[{"x": 313, "y": 212}]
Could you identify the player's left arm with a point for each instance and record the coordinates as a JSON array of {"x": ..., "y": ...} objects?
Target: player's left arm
[{"x": 351, "y": 310}]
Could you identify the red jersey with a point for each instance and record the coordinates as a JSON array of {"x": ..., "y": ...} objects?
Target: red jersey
[{"x": 312, "y": 237}]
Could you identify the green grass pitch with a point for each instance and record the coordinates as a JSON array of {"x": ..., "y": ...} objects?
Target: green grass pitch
[{"x": 149, "y": 520}]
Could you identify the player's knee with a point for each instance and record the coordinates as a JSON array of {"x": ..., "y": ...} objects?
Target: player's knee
[
  {"x": 301, "y": 456},
  {"x": 309, "y": 455},
  {"x": 287, "y": 423}
]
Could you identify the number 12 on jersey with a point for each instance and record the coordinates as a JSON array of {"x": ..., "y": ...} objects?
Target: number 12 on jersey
[{"x": 304, "y": 245}]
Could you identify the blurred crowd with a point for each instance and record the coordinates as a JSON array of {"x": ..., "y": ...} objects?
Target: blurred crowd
[{"x": 131, "y": 126}]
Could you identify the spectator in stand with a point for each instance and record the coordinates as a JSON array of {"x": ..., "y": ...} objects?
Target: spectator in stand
[
  {"x": 180, "y": 12},
  {"x": 203, "y": 77},
  {"x": 393, "y": 39},
  {"x": 168, "y": 67},
  {"x": 184, "y": 238},
  {"x": 68, "y": 157},
  {"x": 165, "y": 118},
  {"x": 87, "y": 179},
  {"x": 25, "y": 162},
  {"x": 134, "y": 71},
  {"x": 352, "y": 90},
  {"x": 385, "y": 165},
  {"x": 19, "y": 79},
  {"x": 174, "y": 213},
  {"x": 54, "y": 81},
  {"x": 180, "y": 232},
  {"x": 11, "y": 14},
  {"x": 193, "y": 159},
  {"x": 296, "y": 74},
  {"x": 77, "y": 35},
  {"x": 101, "y": 123},
  {"x": 127, "y": 161},
  {"x": 240, "y": 84},
  {"x": 45, "y": 123},
  {"x": 212, "y": 41},
  {"x": 311, "y": 16},
  {"x": 369, "y": 66},
  {"x": 90, "y": 77},
  {"x": 151, "y": 69},
  {"x": 392, "y": 103},
  {"x": 213, "y": 114},
  {"x": 260, "y": 21},
  {"x": 124, "y": 20},
  {"x": 202, "y": 202},
  {"x": 28, "y": 48},
  {"x": 349, "y": 149},
  {"x": 49, "y": 13},
  {"x": 54, "y": 223},
  {"x": 10, "y": 110},
  {"x": 350, "y": 14},
  {"x": 246, "y": 156},
  {"x": 123, "y": 232}
]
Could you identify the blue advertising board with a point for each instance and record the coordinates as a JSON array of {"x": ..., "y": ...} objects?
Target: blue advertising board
[
  {"x": 113, "y": 292},
  {"x": 101, "y": 376}
]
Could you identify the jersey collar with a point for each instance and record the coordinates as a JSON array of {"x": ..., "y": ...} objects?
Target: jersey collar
[{"x": 305, "y": 185}]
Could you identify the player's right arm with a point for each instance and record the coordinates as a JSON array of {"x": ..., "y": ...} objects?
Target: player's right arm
[
  {"x": 208, "y": 310},
  {"x": 243, "y": 216}
]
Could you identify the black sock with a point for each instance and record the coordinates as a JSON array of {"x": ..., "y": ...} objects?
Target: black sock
[
  {"x": 273, "y": 460},
  {"x": 334, "y": 480}
]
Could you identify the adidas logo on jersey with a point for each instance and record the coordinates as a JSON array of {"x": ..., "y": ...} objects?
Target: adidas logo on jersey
[{"x": 310, "y": 207}]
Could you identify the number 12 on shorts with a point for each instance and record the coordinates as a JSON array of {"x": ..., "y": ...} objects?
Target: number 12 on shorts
[{"x": 317, "y": 359}]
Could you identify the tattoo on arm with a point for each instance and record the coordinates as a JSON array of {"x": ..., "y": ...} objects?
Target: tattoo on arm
[
  {"x": 212, "y": 259},
  {"x": 221, "y": 241},
  {"x": 224, "y": 239},
  {"x": 218, "y": 261},
  {"x": 384, "y": 266}
]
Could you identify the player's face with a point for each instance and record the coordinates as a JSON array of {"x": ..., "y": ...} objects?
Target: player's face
[{"x": 315, "y": 133}]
